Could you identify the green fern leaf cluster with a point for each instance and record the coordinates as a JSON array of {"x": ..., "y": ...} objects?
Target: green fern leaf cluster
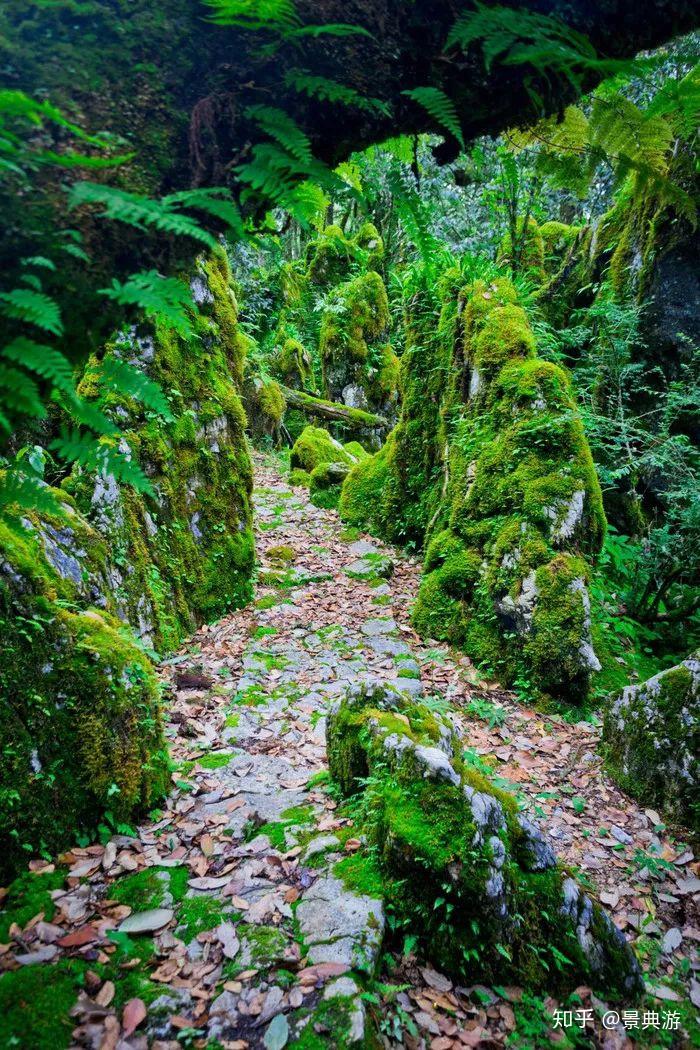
[
  {"x": 326, "y": 90},
  {"x": 163, "y": 299},
  {"x": 130, "y": 380},
  {"x": 440, "y": 107},
  {"x": 139, "y": 211}
]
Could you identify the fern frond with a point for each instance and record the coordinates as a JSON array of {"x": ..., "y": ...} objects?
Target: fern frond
[
  {"x": 83, "y": 450},
  {"x": 280, "y": 126},
  {"x": 90, "y": 415},
  {"x": 329, "y": 29},
  {"x": 138, "y": 211},
  {"x": 331, "y": 91},
  {"x": 20, "y": 392},
  {"x": 163, "y": 299},
  {"x": 45, "y": 361},
  {"x": 21, "y": 491},
  {"x": 440, "y": 107},
  {"x": 214, "y": 200},
  {"x": 129, "y": 380},
  {"x": 32, "y": 307},
  {"x": 254, "y": 14}
]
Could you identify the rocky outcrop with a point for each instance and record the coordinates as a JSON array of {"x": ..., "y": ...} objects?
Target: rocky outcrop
[
  {"x": 490, "y": 468},
  {"x": 651, "y": 734},
  {"x": 85, "y": 596},
  {"x": 478, "y": 881}
]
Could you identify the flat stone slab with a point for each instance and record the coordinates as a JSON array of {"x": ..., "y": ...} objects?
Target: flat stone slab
[{"x": 340, "y": 926}]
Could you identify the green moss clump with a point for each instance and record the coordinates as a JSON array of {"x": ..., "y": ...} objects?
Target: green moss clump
[
  {"x": 35, "y": 1005},
  {"x": 326, "y": 483},
  {"x": 28, "y": 895},
  {"x": 294, "y": 366},
  {"x": 198, "y": 914},
  {"x": 314, "y": 447},
  {"x": 352, "y": 326},
  {"x": 142, "y": 890}
]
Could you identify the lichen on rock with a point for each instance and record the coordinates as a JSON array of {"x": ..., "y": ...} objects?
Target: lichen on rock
[{"x": 478, "y": 881}]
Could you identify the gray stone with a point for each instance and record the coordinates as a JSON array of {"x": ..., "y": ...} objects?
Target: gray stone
[{"x": 329, "y": 914}]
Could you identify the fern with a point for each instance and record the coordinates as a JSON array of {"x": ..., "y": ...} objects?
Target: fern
[
  {"x": 280, "y": 15},
  {"x": 138, "y": 211},
  {"x": 331, "y": 91},
  {"x": 20, "y": 490},
  {"x": 440, "y": 107},
  {"x": 43, "y": 360},
  {"x": 32, "y": 307},
  {"x": 127, "y": 379},
  {"x": 21, "y": 392},
  {"x": 214, "y": 200},
  {"x": 81, "y": 449},
  {"x": 163, "y": 299},
  {"x": 513, "y": 36},
  {"x": 280, "y": 126}
]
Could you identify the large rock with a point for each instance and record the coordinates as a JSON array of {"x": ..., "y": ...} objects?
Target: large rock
[
  {"x": 85, "y": 595},
  {"x": 476, "y": 880},
  {"x": 652, "y": 739},
  {"x": 489, "y": 465}
]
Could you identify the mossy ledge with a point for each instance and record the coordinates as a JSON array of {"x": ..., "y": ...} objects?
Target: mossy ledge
[
  {"x": 86, "y": 596},
  {"x": 474, "y": 878}
]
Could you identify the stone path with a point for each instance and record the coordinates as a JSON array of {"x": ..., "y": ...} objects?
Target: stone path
[{"x": 226, "y": 921}]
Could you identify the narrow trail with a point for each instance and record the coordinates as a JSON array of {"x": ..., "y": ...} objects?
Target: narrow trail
[{"x": 238, "y": 919}]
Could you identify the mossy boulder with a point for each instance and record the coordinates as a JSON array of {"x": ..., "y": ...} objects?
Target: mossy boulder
[
  {"x": 651, "y": 735},
  {"x": 81, "y": 728},
  {"x": 490, "y": 468},
  {"x": 315, "y": 446},
  {"x": 265, "y": 408},
  {"x": 326, "y": 482},
  {"x": 293, "y": 365},
  {"x": 359, "y": 367},
  {"x": 85, "y": 596},
  {"x": 185, "y": 554},
  {"x": 472, "y": 876}
]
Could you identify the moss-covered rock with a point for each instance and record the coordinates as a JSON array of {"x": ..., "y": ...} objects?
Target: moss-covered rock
[
  {"x": 651, "y": 734},
  {"x": 81, "y": 723},
  {"x": 524, "y": 253},
  {"x": 85, "y": 595},
  {"x": 489, "y": 464},
  {"x": 475, "y": 879},
  {"x": 326, "y": 482},
  {"x": 185, "y": 554},
  {"x": 293, "y": 365},
  {"x": 358, "y": 366},
  {"x": 315, "y": 446}
]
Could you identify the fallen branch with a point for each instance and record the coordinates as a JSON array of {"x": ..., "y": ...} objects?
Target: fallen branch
[{"x": 352, "y": 418}]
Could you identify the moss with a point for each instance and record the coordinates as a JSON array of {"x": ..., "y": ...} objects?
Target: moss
[
  {"x": 198, "y": 914},
  {"x": 301, "y": 478},
  {"x": 329, "y": 1025},
  {"x": 271, "y": 402},
  {"x": 326, "y": 484},
  {"x": 26, "y": 897},
  {"x": 266, "y": 946},
  {"x": 142, "y": 890},
  {"x": 314, "y": 447},
  {"x": 215, "y": 760},
  {"x": 650, "y": 735},
  {"x": 355, "y": 449},
  {"x": 451, "y": 860},
  {"x": 282, "y": 553},
  {"x": 356, "y": 318},
  {"x": 35, "y": 1005},
  {"x": 505, "y": 578},
  {"x": 294, "y": 366}
]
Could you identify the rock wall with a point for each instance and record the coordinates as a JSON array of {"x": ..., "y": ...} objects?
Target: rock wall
[
  {"x": 651, "y": 734},
  {"x": 85, "y": 597},
  {"x": 489, "y": 466}
]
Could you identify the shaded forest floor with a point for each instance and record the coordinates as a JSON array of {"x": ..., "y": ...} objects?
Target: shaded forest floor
[{"x": 230, "y": 917}]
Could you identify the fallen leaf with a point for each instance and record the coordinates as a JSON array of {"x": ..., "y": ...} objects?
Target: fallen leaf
[{"x": 134, "y": 1013}]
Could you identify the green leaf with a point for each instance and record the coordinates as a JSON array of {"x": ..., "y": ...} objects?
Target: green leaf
[
  {"x": 136, "y": 210},
  {"x": 35, "y": 308},
  {"x": 440, "y": 107},
  {"x": 165, "y": 300},
  {"x": 129, "y": 380},
  {"x": 44, "y": 360}
]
